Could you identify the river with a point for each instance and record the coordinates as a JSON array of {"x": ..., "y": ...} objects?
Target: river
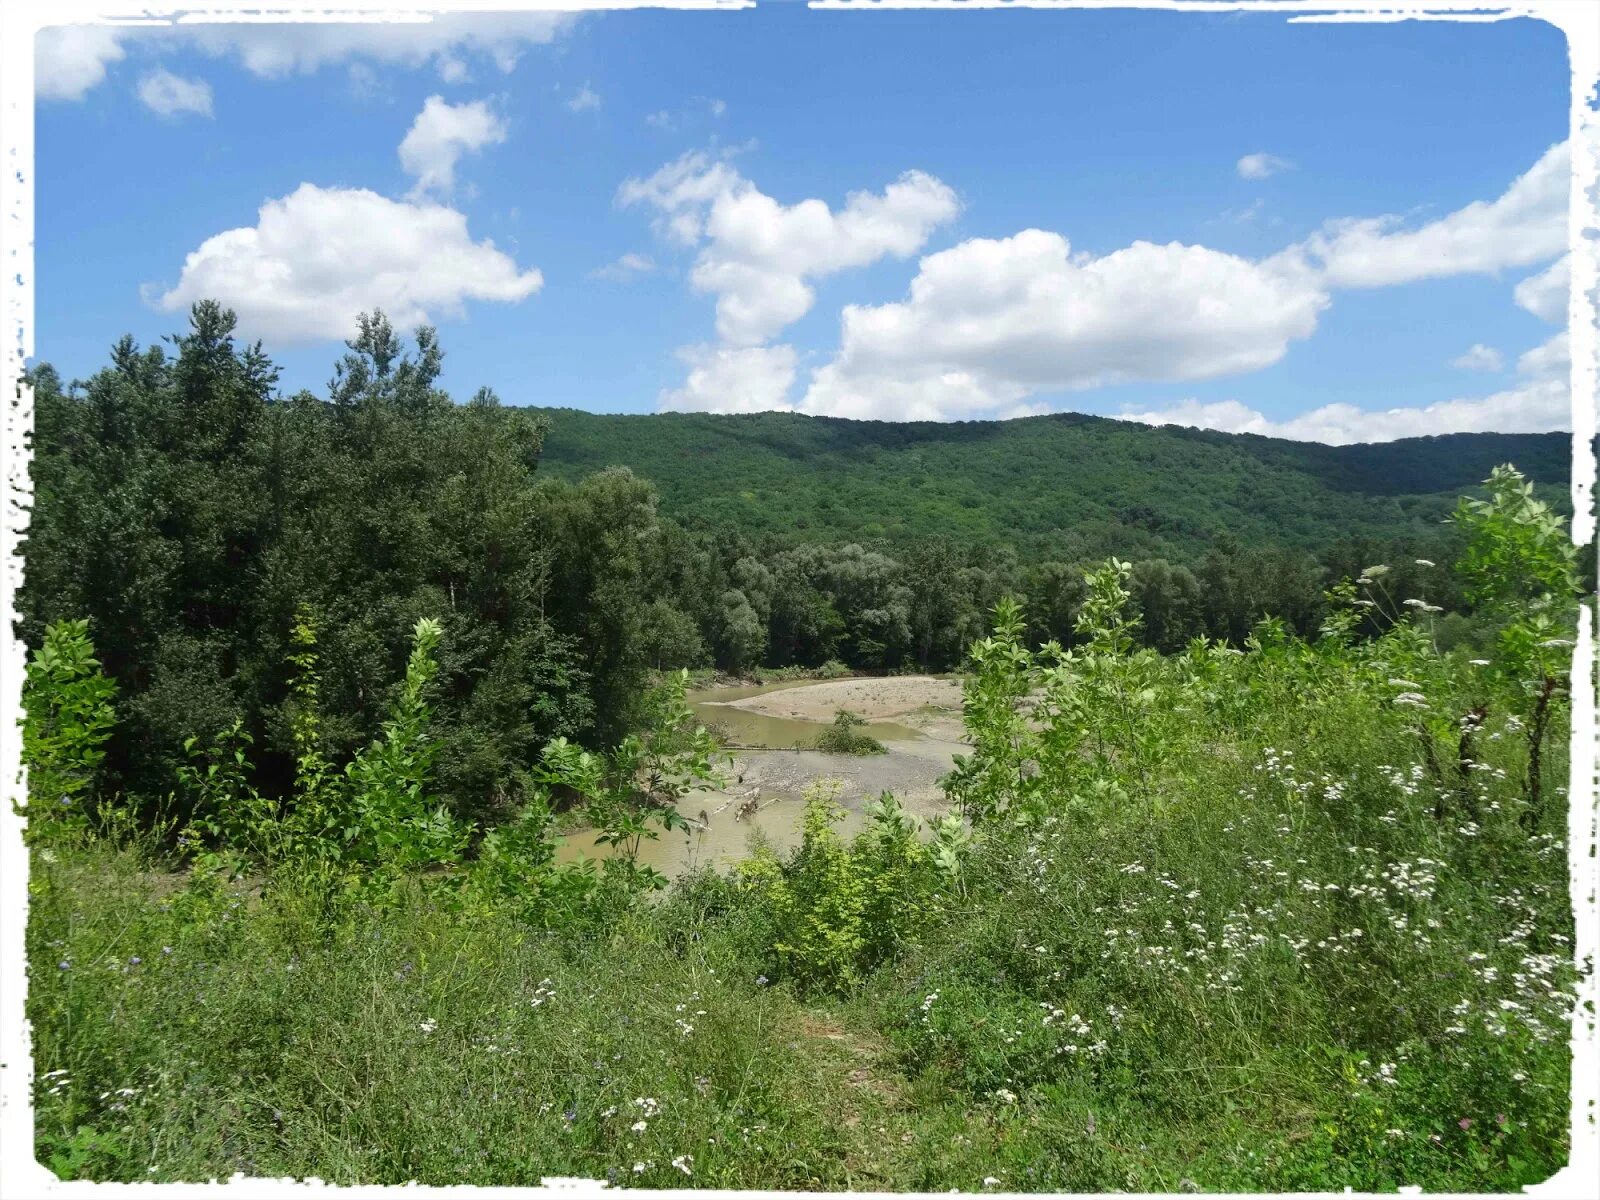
[{"x": 915, "y": 717}]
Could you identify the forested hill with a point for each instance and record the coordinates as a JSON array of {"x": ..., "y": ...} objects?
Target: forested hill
[{"x": 1068, "y": 485}]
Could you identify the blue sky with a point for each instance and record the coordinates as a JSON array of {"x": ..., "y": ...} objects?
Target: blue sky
[{"x": 1235, "y": 221}]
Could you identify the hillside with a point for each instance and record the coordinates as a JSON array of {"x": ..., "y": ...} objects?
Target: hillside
[{"x": 1065, "y": 483}]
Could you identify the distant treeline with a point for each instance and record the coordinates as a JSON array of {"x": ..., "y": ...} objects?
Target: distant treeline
[{"x": 188, "y": 510}]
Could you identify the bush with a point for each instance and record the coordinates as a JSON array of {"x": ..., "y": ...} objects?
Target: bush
[{"x": 844, "y": 736}]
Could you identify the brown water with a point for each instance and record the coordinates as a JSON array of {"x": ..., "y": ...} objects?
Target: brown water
[
  {"x": 742, "y": 727},
  {"x": 910, "y": 769}
]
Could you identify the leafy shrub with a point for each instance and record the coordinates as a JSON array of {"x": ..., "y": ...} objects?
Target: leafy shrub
[
  {"x": 844, "y": 736},
  {"x": 68, "y": 715},
  {"x": 836, "y": 910}
]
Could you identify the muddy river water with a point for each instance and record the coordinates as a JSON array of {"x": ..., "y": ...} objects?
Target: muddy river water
[{"x": 915, "y": 717}]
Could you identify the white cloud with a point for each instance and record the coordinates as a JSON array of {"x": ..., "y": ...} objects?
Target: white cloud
[
  {"x": 438, "y": 138},
  {"x": 1479, "y": 358},
  {"x": 1535, "y": 407},
  {"x": 69, "y": 60},
  {"x": 585, "y": 100},
  {"x": 1260, "y": 166},
  {"x": 1552, "y": 359},
  {"x": 1545, "y": 294},
  {"x": 990, "y": 321},
  {"x": 1524, "y": 226},
  {"x": 168, "y": 95},
  {"x": 733, "y": 379},
  {"x": 299, "y": 48},
  {"x": 319, "y": 256},
  {"x": 759, "y": 254},
  {"x": 72, "y": 59},
  {"x": 659, "y": 120},
  {"x": 629, "y": 266}
]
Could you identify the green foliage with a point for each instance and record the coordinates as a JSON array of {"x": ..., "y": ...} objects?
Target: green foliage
[
  {"x": 1001, "y": 674},
  {"x": 1266, "y": 912},
  {"x": 836, "y": 910},
  {"x": 1522, "y": 565},
  {"x": 631, "y": 794},
  {"x": 67, "y": 718},
  {"x": 1133, "y": 490},
  {"x": 844, "y": 736}
]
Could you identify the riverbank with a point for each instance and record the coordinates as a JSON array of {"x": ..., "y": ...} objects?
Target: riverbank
[{"x": 773, "y": 728}]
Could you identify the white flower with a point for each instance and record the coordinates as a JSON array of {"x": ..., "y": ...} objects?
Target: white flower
[
  {"x": 640, "y": 1168},
  {"x": 639, "y": 1126},
  {"x": 990, "y": 1181},
  {"x": 429, "y": 1025},
  {"x": 683, "y": 1162}
]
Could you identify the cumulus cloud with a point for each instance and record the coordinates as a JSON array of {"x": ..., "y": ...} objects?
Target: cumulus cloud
[
  {"x": 757, "y": 255},
  {"x": 990, "y": 321},
  {"x": 440, "y": 135},
  {"x": 1524, "y": 226},
  {"x": 169, "y": 95},
  {"x": 69, "y": 60},
  {"x": 319, "y": 256},
  {"x": 1545, "y": 294},
  {"x": 1537, "y": 406},
  {"x": 1260, "y": 166},
  {"x": 1549, "y": 359},
  {"x": 629, "y": 266},
  {"x": 1479, "y": 358},
  {"x": 584, "y": 100},
  {"x": 733, "y": 379}
]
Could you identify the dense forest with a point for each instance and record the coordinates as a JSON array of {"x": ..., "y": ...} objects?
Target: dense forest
[
  {"x": 1067, "y": 486},
  {"x": 210, "y": 508}
]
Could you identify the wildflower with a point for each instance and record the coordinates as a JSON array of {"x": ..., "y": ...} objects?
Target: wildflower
[
  {"x": 990, "y": 1181},
  {"x": 640, "y": 1168},
  {"x": 1465, "y": 1122},
  {"x": 1005, "y": 1095},
  {"x": 761, "y": 981},
  {"x": 639, "y": 1126},
  {"x": 429, "y": 1025},
  {"x": 1412, "y": 699},
  {"x": 683, "y": 1162}
]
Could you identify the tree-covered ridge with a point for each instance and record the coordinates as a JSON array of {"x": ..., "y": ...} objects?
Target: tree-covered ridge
[{"x": 1067, "y": 486}]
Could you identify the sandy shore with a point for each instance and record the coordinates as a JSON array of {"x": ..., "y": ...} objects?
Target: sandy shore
[{"x": 891, "y": 699}]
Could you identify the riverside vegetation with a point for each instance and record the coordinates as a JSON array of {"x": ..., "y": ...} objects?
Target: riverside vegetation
[{"x": 1289, "y": 913}]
